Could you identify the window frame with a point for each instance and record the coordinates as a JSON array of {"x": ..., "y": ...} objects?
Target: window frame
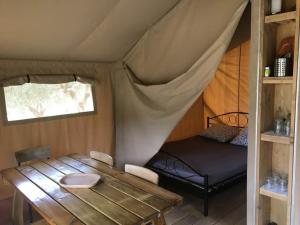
[{"x": 47, "y": 118}]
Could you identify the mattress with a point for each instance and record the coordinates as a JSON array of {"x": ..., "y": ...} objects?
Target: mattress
[{"x": 192, "y": 159}]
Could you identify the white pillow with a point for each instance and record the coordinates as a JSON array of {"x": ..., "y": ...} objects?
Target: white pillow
[{"x": 221, "y": 133}]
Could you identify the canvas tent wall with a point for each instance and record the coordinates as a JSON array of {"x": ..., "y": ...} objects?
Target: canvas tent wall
[
  {"x": 64, "y": 135},
  {"x": 227, "y": 92},
  {"x": 42, "y": 35},
  {"x": 229, "y": 89},
  {"x": 105, "y": 31},
  {"x": 157, "y": 83}
]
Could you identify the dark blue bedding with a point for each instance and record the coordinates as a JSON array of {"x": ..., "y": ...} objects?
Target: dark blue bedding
[{"x": 196, "y": 157}]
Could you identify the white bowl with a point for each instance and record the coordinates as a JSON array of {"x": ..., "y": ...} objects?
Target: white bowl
[{"x": 79, "y": 180}]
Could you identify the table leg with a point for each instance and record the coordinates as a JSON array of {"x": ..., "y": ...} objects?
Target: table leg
[
  {"x": 160, "y": 220},
  {"x": 17, "y": 210}
]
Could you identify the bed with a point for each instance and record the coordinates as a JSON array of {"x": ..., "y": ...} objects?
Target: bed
[{"x": 204, "y": 163}]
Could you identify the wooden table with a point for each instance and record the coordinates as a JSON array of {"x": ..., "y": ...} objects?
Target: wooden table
[{"x": 119, "y": 198}]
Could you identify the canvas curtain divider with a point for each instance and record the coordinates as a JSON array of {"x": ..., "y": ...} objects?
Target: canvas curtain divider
[
  {"x": 46, "y": 79},
  {"x": 164, "y": 80}
]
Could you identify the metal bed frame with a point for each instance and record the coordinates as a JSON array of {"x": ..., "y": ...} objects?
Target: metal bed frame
[{"x": 235, "y": 119}]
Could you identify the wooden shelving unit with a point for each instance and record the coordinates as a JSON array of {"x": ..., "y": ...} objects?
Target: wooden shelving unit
[
  {"x": 281, "y": 18},
  {"x": 278, "y": 80},
  {"x": 270, "y": 136},
  {"x": 275, "y": 153},
  {"x": 272, "y": 194}
]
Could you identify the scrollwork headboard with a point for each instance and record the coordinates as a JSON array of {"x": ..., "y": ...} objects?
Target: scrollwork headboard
[{"x": 234, "y": 119}]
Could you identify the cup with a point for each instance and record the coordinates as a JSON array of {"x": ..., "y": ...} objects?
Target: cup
[
  {"x": 287, "y": 127},
  {"x": 275, "y": 181},
  {"x": 278, "y": 126},
  {"x": 269, "y": 182},
  {"x": 283, "y": 185}
]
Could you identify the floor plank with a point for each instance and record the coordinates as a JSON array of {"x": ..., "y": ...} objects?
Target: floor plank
[
  {"x": 220, "y": 212},
  {"x": 189, "y": 219},
  {"x": 243, "y": 221},
  {"x": 233, "y": 218}
]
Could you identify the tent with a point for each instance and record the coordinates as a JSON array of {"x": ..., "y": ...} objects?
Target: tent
[
  {"x": 147, "y": 61},
  {"x": 150, "y": 59}
]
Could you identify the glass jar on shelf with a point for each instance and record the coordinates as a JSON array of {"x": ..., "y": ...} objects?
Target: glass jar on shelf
[
  {"x": 279, "y": 122},
  {"x": 283, "y": 185},
  {"x": 276, "y": 181},
  {"x": 267, "y": 71},
  {"x": 278, "y": 126},
  {"x": 287, "y": 125},
  {"x": 269, "y": 182}
]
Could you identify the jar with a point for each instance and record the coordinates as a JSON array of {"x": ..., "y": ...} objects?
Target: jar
[
  {"x": 269, "y": 183},
  {"x": 267, "y": 71},
  {"x": 283, "y": 185},
  {"x": 287, "y": 125},
  {"x": 276, "y": 6},
  {"x": 275, "y": 181},
  {"x": 278, "y": 126}
]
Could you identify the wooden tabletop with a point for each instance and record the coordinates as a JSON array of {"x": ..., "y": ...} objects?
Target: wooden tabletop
[{"x": 119, "y": 198}]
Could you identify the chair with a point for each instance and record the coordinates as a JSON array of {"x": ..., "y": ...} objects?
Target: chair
[
  {"x": 142, "y": 172},
  {"x": 30, "y": 154},
  {"x": 102, "y": 157}
]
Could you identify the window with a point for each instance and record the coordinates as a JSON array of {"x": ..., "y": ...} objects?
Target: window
[{"x": 32, "y": 100}]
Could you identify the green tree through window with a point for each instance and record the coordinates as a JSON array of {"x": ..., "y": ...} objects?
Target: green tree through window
[{"x": 29, "y": 101}]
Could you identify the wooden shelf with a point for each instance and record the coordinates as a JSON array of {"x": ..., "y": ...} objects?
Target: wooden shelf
[
  {"x": 281, "y": 18},
  {"x": 275, "y": 152},
  {"x": 270, "y": 136},
  {"x": 278, "y": 80},
  {"x": 272, "y": 194}
]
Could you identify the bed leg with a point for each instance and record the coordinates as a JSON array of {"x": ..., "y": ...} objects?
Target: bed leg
[{"x": 206, "y": 186}]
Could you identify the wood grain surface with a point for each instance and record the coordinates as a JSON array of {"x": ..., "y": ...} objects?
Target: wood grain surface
[
  {"x": 51, "y": 210},
  {"x": 175, "y": 199},
  {"x": 112, "y": 201}
]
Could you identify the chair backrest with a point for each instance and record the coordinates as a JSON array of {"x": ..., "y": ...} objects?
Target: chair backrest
[
  {"x": 30, "y": 154},
  {"x": 102, "y": 157},
  {"x": 142, "y": 172}
]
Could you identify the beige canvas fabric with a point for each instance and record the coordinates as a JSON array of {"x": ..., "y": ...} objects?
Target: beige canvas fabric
[
  {"x": 46, "y": 79},
  {"x": 169, "y": 68},
  {"x": 64, "y": 135},
  {"x": 78, "y": 30}
]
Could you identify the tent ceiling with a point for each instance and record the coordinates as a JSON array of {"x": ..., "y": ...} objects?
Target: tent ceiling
[{"x": 80, "y": 30}]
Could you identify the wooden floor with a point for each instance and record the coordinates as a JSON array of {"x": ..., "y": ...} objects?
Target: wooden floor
[{"x": 226, "y": 208}]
